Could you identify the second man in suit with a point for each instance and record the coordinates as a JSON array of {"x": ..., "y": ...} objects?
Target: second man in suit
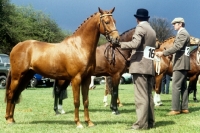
[{"x": 181, "y": 65}]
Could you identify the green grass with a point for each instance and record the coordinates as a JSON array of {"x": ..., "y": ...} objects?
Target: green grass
[{"x": 34, "y": 114}]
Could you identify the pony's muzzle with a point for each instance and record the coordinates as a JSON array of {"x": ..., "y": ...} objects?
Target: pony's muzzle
[{"x": 114, "y": 41}]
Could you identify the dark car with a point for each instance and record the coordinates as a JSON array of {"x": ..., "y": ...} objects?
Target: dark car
[
  {"x": 126, "y": 78},
  {"x": 4, "y": 69},
  {"x": 41, "y": 80}
]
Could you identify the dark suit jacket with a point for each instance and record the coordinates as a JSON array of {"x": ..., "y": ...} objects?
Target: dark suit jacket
[
  {"x": 180, "y": 60},
  {"x": 144, "y": 36}
]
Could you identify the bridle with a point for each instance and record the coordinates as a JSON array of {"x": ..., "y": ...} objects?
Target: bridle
[
  {"x": 104, "y": 26},
  {"x": 109, "y": 40}
]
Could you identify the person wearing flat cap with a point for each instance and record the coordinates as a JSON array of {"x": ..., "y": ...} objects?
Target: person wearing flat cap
[
  {"x": 142, "y": 69},
  {"x": 181, "y": 65}
]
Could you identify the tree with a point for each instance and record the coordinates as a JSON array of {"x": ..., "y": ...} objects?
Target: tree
[
  {"x": 23, "y": 23},
  {"x": 162, "y": 28},
  {"x": 6, "y": 11}
]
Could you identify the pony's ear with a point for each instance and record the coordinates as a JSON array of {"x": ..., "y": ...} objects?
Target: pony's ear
[
  {"x": 111, "y": 11},
  {"x": 100, "y": 10}
]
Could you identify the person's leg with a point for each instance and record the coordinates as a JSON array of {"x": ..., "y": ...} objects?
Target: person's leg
[
  {"x": 163, "y": 85},
  {"x": 178, "y": 78},
  {"x": 184, "y": 93},
  {"x": 151, "y": 119},
  {"x": 167, "y": 84},
  {"x": 141, "y": 101}
]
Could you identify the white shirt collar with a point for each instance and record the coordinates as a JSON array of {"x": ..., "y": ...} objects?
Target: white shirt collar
[{"x": 142, "y": 22}]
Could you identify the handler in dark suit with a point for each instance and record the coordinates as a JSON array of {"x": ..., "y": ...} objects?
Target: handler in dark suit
[
  {"x": 142, "y": 69},
  {"x": 181, "y": 65}
]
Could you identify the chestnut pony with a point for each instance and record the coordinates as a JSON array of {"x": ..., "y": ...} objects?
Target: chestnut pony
[
  {"x": 109, "y": 62},
  {"x": 167, "y": 69},
  {"x": 72, "y": 60}
]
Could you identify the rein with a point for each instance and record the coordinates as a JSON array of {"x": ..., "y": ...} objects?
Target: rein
[
  {"x": 113, "y": 54},
  {"x": 104, "y": 26}
]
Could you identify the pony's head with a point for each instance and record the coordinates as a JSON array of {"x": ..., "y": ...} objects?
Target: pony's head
[
  {"x": 107, "y": 26},
  {"x": 194, "y": 40}
]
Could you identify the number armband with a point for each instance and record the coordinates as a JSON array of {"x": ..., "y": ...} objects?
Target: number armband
[
  {"x": 187, "y": 51},
  {"x": 149, "y": 52}
]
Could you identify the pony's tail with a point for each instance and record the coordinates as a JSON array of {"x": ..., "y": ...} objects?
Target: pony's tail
[{"x": 8, "y": 81}]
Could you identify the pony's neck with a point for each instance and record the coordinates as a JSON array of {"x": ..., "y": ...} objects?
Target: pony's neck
[{"x": 89, "y": 32}]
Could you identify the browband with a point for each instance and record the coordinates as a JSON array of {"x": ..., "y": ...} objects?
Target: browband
[{"x": 105, "y": 15}]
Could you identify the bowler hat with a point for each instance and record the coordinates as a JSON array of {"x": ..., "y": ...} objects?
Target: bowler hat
[
  {"x": 178, "y": 20},
  {"x": 142, "y": 13}
]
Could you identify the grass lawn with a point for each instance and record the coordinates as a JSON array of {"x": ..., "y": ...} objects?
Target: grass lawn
[{"x": 35, "y": 114}]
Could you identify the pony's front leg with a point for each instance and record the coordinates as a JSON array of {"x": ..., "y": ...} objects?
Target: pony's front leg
[
  {"x": 76, "y": 94},
  {"x": 114, "y": 97},
  {"x": 85, "y": 91}
]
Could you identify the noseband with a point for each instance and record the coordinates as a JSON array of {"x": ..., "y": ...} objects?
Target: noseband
[{"x": 104, "y": 26}]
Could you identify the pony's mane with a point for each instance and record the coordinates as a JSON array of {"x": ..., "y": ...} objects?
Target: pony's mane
[
  {"x": 127, "y": 31},
  {"x": 86, "y": 20},
  {"x": 168, "y": 39}
]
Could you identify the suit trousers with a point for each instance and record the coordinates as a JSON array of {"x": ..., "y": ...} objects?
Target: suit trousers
[
  {"x": 179, "y": 90},
  {"x": 165, "y": 84},
  {"x": 143, "y": 85}
]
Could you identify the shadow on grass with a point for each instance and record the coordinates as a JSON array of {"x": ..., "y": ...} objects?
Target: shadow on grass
[
  {"x": 164, "y": 123},
  {"x": 193, "y": 109},
  {"x": 63, "y": 122}
]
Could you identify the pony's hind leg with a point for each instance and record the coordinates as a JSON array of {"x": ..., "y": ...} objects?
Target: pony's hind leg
[
  {"x": 13, "y": 92},
  {"x": 10, "y": 101}
]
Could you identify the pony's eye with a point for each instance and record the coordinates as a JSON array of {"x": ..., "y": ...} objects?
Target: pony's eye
[{"x": 107, "y": 22}]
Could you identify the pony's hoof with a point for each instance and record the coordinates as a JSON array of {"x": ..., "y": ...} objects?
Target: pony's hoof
[
  {"x": 10, "y": 122},
  {"x": 90, "y": 124},
  {"x": 159, "y": 104},
  {"x": 195, "y": 100},
  {"x": 93, "y": 87},
  {"x": 79, "y": 126},
  {"x": 115, "y": 113},
  {"x": 105, "y": 104},
  {"x": 120, "y": 105},
  {"x": 57, "y": 113}
]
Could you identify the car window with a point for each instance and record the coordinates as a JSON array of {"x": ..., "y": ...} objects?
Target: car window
[{"x": 4, "y": 59}]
